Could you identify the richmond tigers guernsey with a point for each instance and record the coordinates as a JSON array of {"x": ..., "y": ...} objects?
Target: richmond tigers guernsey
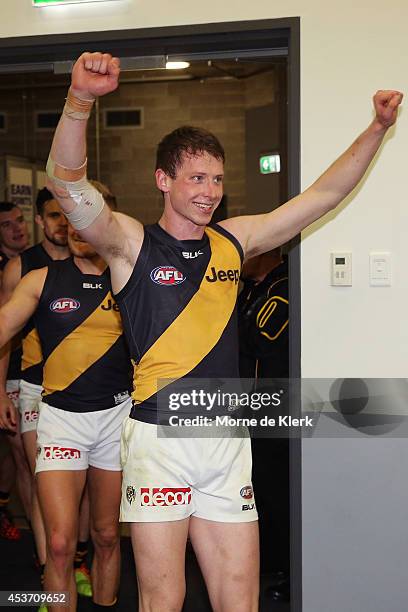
[
  {"x": 179, "y": 312},
  {"x": 31, "y": 363},
  {"x": 86, "y": 360}
]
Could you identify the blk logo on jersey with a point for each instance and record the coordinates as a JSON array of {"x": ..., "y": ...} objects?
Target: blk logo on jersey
[
  {"x": 167, "y": 275},
  {"x": 165, "y": 496},
  {"x": 92, "y": 285},
  {"x": 64, "y": 305},
  {"x": 191, "y": 254}
]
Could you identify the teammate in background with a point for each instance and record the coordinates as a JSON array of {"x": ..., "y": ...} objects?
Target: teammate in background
[
  {"x": 85, "y": 399},
  {"x": 263, "y": 317},
  {"x": 53, "y": 247},
  {"x": 13, "y": 232},
  {"x": 176, "y": 486},
  {"x": 13, "y": 240}
]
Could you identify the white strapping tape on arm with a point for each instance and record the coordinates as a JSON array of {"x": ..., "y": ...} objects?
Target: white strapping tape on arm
[{"x": 88, "y": 201}]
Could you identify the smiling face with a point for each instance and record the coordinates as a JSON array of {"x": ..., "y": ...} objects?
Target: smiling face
[
  {"x": 13, "y": 232},
  {"x": 191, "y": 197}
]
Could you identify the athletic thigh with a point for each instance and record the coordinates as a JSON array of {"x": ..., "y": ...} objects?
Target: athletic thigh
[
  {"x": 59, "y": 493},
  {"x": 104, "y": 487},
  {"x": 228, "y": 554},
  {"x": 159, "y": 551}
]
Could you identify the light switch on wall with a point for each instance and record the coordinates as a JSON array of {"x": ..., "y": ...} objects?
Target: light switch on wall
[{"x": 380, "y": 269}]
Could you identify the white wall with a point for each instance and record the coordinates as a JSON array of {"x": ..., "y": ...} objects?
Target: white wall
[{"x": 349, "y": 49}]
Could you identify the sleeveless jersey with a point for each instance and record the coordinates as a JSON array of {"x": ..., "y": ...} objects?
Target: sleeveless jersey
[
  {"x": 86, "y": 360},
  {"x": 179, "y": 312},
  {"x": 33, "y": 258}
]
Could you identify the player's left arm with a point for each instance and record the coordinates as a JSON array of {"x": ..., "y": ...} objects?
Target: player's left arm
[{"x": 261, "y": 233}]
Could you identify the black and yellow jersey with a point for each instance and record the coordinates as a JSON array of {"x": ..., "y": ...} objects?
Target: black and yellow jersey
[
  {"x": 86, "y": 360},
  {"x": 179, "y": 312},
  {"x": 31, "y": 362}
]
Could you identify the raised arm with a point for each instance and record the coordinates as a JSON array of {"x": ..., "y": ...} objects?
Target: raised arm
[
  {"x": 94, "y": 74},
  {"x": 261, "y": 233}
]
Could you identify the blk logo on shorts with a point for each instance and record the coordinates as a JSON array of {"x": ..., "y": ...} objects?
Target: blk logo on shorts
[
  {"x": 64, "y": 305},
  {"x": 248, "y": 506},
  {"x": 30, "y": 416},
  {"x": 165, "y": 496},
  {"x": 60, "y": 452},
  {"x": 247, "y": 492},
  {"x": 167, "y": 275}
]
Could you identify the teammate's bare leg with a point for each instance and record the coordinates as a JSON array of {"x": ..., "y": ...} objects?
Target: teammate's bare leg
[
  {"x": 104, "y": 494},
  {"x": 60, "y": 493},
  {"x": 30, "y": 447}
]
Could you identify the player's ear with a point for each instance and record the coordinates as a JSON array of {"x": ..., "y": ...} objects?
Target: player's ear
[
  {"x": 162, "y": 180},
  {"x": 39, "y": 220}
]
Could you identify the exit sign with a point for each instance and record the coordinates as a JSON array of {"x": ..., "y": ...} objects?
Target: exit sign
[
  {"x": 269, "y": 164},
  {"x": 55, "y": 2}
]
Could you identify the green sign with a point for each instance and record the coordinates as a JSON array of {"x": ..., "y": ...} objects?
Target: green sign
[
  {"x": 269, "y": 164},
  {"x": 54, "y": 2}
]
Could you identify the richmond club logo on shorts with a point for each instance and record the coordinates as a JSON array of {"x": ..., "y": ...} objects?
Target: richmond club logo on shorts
[
  {"x": 130, "y": 494},
  {"x": 64, "y": 305},
  {"x": 167, "y": 275},
  {"x": 165, "y": 496},
  {"x": 60, "y": 452}
]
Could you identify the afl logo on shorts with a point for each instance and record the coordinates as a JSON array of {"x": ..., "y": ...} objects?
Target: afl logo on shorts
[
  {"x": 64, "y": 305},
  {"x": 246, "y": 492},
  {"x": 167, "y": 275}
]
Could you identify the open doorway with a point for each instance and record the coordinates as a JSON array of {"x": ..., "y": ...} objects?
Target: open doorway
[{"x": 234, "y": 69}]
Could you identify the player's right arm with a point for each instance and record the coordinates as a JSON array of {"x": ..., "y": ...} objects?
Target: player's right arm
[
  {"x": 93, "y": 75},
  {"x": 22, "y": 304}
]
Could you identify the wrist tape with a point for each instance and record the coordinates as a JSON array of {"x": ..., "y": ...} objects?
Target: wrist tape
[{"x": 76, "y": 108}]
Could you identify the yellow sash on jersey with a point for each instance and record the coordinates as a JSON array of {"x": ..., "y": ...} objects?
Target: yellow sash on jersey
[
  {"x": 32, "y": 354},
  {"x": 82, "y": 347},
  {"x": 197, "y": 329}
]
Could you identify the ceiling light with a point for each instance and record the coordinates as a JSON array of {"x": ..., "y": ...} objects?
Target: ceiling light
[{"x": 177, "y": 65}]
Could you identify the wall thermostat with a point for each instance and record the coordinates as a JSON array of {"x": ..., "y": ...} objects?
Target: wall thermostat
[{"x": 341, "y": 269}]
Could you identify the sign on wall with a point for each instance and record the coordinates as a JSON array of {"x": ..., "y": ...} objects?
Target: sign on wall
[
  {"x": 269, "y": 164},
  {"x": 20, "y": 192}
]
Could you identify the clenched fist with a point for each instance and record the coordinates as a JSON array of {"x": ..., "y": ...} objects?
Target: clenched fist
[
  {"x": 95, "y": 74},
  {"x": 386, "y": 103}
]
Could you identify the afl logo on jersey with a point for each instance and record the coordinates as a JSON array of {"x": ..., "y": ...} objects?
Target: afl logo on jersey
[
  {"x": 64, "y": 305},
  {"x": 167, "y": 275}
]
